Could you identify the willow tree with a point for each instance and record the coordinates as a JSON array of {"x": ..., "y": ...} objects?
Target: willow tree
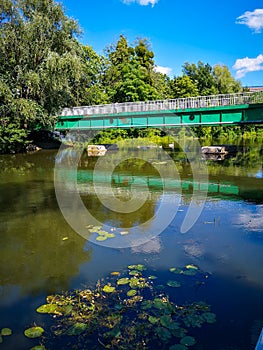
[{"x": 40, "y": 66}]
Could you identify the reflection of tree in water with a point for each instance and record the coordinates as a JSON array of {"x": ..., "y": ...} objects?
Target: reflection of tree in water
[{"x": 38, "y": 250}]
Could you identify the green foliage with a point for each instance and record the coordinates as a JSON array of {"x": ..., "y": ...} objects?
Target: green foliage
[
  {"x": 40, "y": 66},
  {"x": 224, "y": 81},
  {"x": 130, "y": 76},
  {"x": 183, "y": 87}
]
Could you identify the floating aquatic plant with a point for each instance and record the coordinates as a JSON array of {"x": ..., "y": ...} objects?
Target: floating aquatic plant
[
  {"x": 6, "y": 331},
  {"x": 34, "y": 332},
  {"x": 126, "y": 311},
  {"x": 175, "y": 284}
]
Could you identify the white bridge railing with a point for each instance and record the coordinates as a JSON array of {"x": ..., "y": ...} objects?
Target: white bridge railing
[{"x": 162, "y": 105}]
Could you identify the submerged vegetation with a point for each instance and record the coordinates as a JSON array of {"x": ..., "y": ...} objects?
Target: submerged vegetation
[{"x": 127, "y": 310}]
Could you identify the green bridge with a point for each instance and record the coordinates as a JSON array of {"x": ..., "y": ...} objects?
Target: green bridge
[{"x": 229, "y": 109}]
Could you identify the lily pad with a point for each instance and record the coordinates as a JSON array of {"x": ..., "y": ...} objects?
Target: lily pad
[
  {"x": 1, "y": 339},
  {"x": 167, "y": 322},
  {"x": 101, "y": 238},
  {"x": 188, "y": 341},
  {"x": 209, "y": 317},
  {"x": 134, "y": 272},
  {"x": 38, "y": 347},
  {"x": 110, "y": 235},
  {"x": 163, "y": 334},
  {"x": 146, "y": 305},
  {"x": 152, "y": 277},
  {"x": 34, "y": 332},
  {"x": 176, "y": 270},
  {"x": 179, "y": 332},
  {"x": 6, "y": 331},
  {"x": 190, "y": 272},
  {"x": 178, "y": 347},
  {"x": 174, "y": 284},
  {"x": 108, "y": 289},
  {"x": 123, "y": 281},
  {"x": 48, "y": 309},
  {"x": 115, "y": 273},
  {"x": 138, "y": 267},
  {"x": 131, "y": 292},
  {"x": 191, "y": 267},
  {"x": 153, "y": 319},
  {"x": 159, "y": 304},
  {"x": 77, "y": 328}
]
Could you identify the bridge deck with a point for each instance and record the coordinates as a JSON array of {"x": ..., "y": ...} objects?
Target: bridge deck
[{"x": 207, "y": 110}]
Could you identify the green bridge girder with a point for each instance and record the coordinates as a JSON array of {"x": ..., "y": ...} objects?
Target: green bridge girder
[{"x": 231, "y": 109}]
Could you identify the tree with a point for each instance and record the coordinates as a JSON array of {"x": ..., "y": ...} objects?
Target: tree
[
  {"x": 40, "y": 63},
  {"x": 183, "y": 87},
  {"x": 91, "y": 90},
  {"x": 224, "y": 81},
  {"x": 130, "y": 76},
  {"x": 201, "y": 75}
]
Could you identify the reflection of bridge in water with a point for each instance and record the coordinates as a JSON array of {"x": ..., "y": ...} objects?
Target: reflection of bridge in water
[
  {"x": 230, "y": 109},
  {"x": 229, "y": 187}
]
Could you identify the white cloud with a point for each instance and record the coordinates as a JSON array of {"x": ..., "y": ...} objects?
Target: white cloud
[
  {"x": 141, "y": 2},
  {"x": 254, "y": 20},
  {"x": 163, "y": 70},
  {"x": 246, "y": 65}
]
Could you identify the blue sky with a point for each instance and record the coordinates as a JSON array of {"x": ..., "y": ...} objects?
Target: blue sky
[{"x": 227, "y": 32}]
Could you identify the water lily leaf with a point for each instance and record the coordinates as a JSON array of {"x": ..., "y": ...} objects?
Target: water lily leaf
[
  {"x": 191, "y": 267},
  {"x": 165, "y": 321},
  {"x": 34, "y": 332},
  {"x": 190, "y": 272},
  {"x": 188, "y": 341},
  {"x": 97, "y": 228},
  {"x": 179, "y": 332},
  {"x": 138, "y": 267},
  {"x": 178, "y": 347},
  {"x": 123, "y": 281},
  {"x": 163, "y": 334},
  {"x": 93, "y": 230},
  {"x": 176, "y": 270},
  {"x": 159, "y": 304},
  {"x": 134, "y": 272},
  {"x": 38, "y": 347},
  {"x": 49, "y": 309},
  {"x": 110, "y": 235},
  {"x": 152, "y": 277},
  {"x": 101, "y": 238},
  {"x": 137, "y": 283},
  {"x": 175, "y": 284},
  {"x": 108, "y": 289},
  {"x": 115, "y": 273},
  {"x": 131, "y": 292},
  {"x": 209, "y": 317},
  {"x": 146, "y": 304},
  {"x": 77, "y": 328},
  {"x": 6, "y": 331},
  {"x": 168, "y": 322},
  {"x": 153, "y": 319}
]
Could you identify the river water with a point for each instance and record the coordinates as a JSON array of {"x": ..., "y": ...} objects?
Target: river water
[{"x": 41, "y": 253}]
